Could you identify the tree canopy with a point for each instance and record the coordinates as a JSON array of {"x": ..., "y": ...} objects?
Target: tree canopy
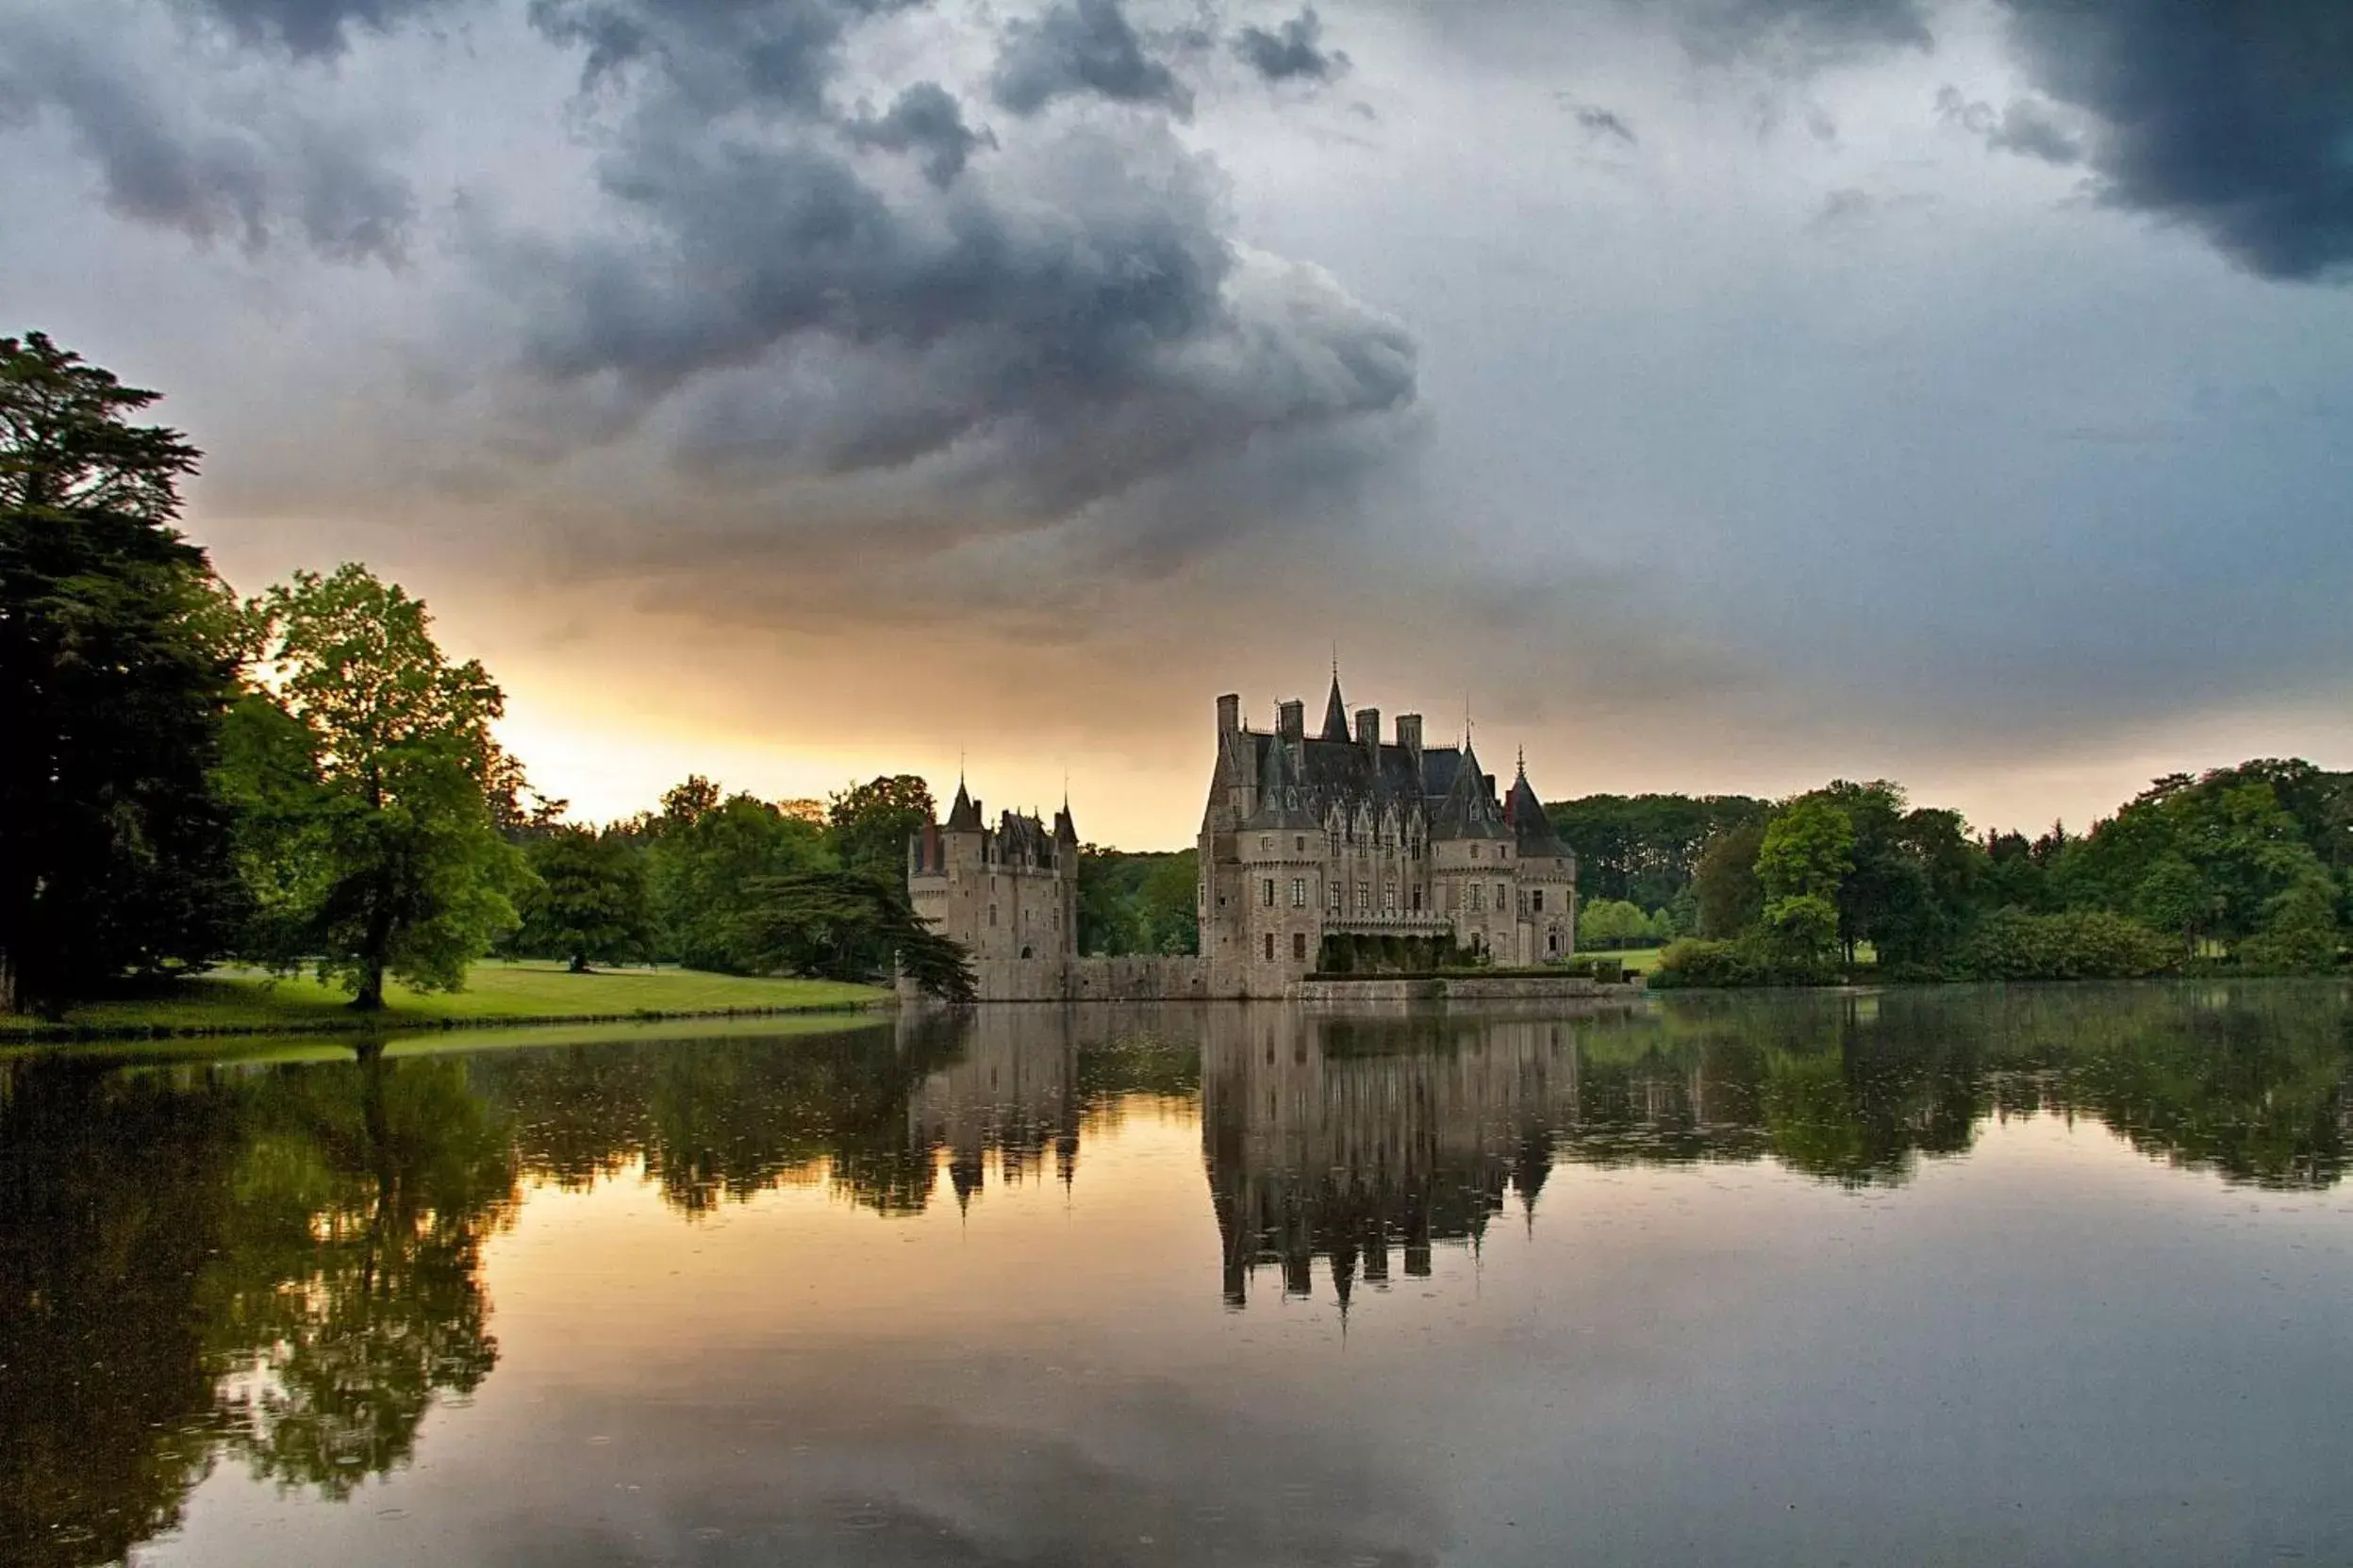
[{"x": 117, "y": 665}]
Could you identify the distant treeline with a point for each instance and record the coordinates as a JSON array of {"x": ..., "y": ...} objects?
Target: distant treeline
[{"x": 2246, "y": 870}]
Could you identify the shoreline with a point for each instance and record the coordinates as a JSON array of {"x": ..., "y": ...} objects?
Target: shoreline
[{"x": 57, "y": 1034}]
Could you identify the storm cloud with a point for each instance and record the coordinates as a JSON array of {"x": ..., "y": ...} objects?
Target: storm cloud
[
  {"x": 925, "y": 119},
  {"x": 316, "y": 27},
  {"x": 1293, "y": 51},
  {"x": 2025, "y": 126},
  {"x": 1082, "y": 48},
  {"x": 251, "y": 174},
  {"x": 2233, "y": 119}
]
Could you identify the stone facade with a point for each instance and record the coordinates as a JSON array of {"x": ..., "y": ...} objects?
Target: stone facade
[
  {"x": 1340, "y": 833},
  {"x": 1010, "y": 894}
]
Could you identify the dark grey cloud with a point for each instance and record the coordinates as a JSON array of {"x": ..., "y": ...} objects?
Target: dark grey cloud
[
  {"x": 710, "y": 56},
  {"x": 1800, "y": 34},
  {"x": 1292, "y": 52},
  {"x": 2025, "y": 126},
  {"x": 1003, "y": 352},
  {"x": 1080, "y": 48},
  {"x": 2234, "y": 117},
  {"x": 1600, "y": 121},
  {"x": 163, "y": 159},
  {"x": 928, "y": 119},
  {"x": 314, "y": 27}
]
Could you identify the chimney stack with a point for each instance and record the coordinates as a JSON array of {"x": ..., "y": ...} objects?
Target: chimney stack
[
  {"x": 1290, "y": 720},
  {"x": 1369, "y": 729},
  {"x": 1228, "y": 712}
]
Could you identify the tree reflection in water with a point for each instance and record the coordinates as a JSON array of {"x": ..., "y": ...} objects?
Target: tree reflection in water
[{"x": 282, "y": 1265}]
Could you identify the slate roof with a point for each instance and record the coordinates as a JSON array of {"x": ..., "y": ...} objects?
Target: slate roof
[
  {"x": 965, "y": 815},
  {"x": 1455, "y": 797},
  {"x": 1528, "y": 823}
]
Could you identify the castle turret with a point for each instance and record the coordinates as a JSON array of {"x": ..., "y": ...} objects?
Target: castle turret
[
  {"x": 965, "y": 815},
  {"x": 1334, "y": 713}
]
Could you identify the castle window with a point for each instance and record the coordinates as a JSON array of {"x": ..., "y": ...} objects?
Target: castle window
[
  {"x": 1298, "y": 947},
  {"x": 1503, "y": 896},
  {"x": 1503, "y": 852},
  {"x": 1364, "y": 896},
  {"x": 1535, "y": 899},
  {"x": 1339, "y": 892},
  {"x": 1551, "y": 941},
  {"x": 1416, "y": 900},
  {"x": 1265, "y": 841},
  {"x": 1389, "y": 897},
  {"x": 1299, "y": 845},
  {"x": 992, "y": 915},
  {"x": 1474, "y": 852},
  {"x": 1265, "y": 892},
  {"x": 1270, "y": 947},
  {"x": 1298, "y": 892},
  {"x": 1478, "y": 896}
]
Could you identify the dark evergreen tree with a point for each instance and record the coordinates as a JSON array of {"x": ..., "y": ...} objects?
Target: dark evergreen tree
[{"x": 118, "y": 660}]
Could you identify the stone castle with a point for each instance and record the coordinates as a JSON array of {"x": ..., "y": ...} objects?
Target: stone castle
[{"x": 1399, "y": 848}]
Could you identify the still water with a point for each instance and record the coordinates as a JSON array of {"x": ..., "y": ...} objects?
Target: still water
[{"x": 2058, "y": 1275}]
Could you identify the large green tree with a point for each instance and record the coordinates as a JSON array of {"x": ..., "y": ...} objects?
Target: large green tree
[
  {"x": 1807, "y": 851},
  {"x": 705, "y": 855},
  {"x": 377, "y": 798},
  {"x": 869, "y": 823},
  {"x": 1646, "y": 849},
  {"x": 590, "y": 902},
  {"x": 117, "y": 663},
  {"x": 834, "y": 924}
]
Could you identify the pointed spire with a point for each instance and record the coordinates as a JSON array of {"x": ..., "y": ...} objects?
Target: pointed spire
[
  {"x": 1335, "y": 710},
  {"x": 965, "y": 815}
]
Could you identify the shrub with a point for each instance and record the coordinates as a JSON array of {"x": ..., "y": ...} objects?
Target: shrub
[
  {"x": 1695, "y": 961},
  {"x": 2011, "y": 944}
]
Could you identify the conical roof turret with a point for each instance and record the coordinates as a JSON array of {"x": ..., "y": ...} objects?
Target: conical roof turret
[
  {"x": 1530, "y": 823},
  {"x": 1334, "y": 711},
  {"x": 1467, "y": 811},
  {"x": 965, "y": 815}
]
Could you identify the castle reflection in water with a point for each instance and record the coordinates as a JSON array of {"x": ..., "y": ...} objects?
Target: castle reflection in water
[
  {"x": 1371, "y": 1143},
  {"x": 1368, "y": 1143}
]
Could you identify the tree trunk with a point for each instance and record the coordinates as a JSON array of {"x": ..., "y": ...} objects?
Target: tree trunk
[
  {"x": 371, "y": 996},
  {"x": 8, "y": 982},
  {"x": 580, "y": 964}
]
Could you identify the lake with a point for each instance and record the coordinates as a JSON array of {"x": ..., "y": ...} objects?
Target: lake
[{"x": 2027, "y": 1276}]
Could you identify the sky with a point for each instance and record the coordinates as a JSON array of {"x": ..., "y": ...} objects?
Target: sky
[{"x": 1706, "y": 395}]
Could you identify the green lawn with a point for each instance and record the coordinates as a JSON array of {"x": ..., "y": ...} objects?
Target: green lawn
[{"x": 234, "y": 1001}]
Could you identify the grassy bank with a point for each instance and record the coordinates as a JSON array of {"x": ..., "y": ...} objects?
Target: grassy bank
[{"x": 514, "y": 992}]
